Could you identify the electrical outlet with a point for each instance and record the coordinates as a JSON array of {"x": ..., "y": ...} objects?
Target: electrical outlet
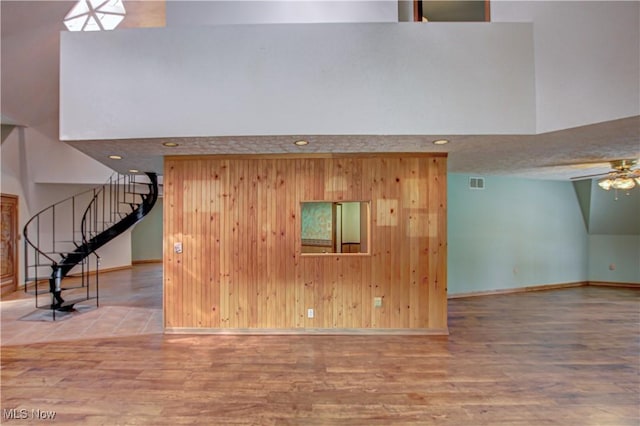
[
  {"x": 309, "y": 313},
  {"x": 377, "y": 302},
  {"x": 177, "y": 248}
]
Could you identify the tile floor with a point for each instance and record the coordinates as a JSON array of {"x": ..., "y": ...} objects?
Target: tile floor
[{"x": 130, "y": 304}]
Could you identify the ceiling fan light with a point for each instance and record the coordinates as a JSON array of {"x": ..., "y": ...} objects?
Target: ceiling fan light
[
  {"x": 605, "y": 184},
  {"x": 623, "y": 183}
]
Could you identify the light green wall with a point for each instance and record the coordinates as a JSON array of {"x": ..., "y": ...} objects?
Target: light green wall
[
  {"x": 613, "y": 214},
  {"x": 350, "y": 222},
  {"x": 146, "y": 237},
  {"x": 614, "y": 258},
  {"x": 514, "y": 233},
  {"x": 613, "y": 222}
]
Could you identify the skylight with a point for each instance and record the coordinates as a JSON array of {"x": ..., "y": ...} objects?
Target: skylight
[{"x": 95, "y": 15}]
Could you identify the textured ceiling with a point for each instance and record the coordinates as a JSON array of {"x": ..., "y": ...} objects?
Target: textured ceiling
[
  {"x": 30, "y": 64},
  {"x": 555, "y": 155}
]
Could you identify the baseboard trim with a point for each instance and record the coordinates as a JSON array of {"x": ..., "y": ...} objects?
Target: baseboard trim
[
  {"x": 139, "y": 262},
  {"x": 527, "y": 289},
  {"x": 93, "y": 271},
  {"x": 614, "y": 284},
  {"x": 311, "y": 331}
]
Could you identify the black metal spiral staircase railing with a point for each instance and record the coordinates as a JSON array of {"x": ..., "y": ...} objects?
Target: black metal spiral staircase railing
[{"x": 64, "y": 236}]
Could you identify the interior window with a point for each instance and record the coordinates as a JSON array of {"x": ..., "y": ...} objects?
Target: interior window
[{"x": 335, "y": 227}]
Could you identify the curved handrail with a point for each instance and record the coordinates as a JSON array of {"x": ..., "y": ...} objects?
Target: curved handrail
[
  {"x": 52, "y": 207},
  {"x": 94, "y": 200},
  {"x": 115, "y": 182},
  {"x": 144, "y": 204},
  {"x": 36, "y": 217}
]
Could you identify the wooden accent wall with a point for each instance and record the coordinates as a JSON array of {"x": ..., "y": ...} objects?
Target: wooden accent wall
[{"x": 238, "y": 219}]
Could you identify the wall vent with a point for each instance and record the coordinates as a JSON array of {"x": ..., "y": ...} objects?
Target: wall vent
[{"x": 476, "y": 183}]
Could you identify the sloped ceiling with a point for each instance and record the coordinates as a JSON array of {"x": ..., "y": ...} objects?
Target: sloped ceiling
[{"x": 608, "y": 212}]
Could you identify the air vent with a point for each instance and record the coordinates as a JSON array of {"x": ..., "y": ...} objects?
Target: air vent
[{"x": 476, "y": 183}]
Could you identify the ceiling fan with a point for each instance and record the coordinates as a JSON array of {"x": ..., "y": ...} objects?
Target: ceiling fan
[{"x": 622, "y": 176}]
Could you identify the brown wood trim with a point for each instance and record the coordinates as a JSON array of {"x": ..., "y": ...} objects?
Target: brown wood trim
[
  {"x": 417, "y": 10},
  {"x": 614, "y": 284},
  {"x": 311, "y": 331},
  {"x": 335, "y": 255},
  {"x": 102, "y": 271},
  {"x": 487, "y": 10},
  {"x": 13, "y": 286},
  {"x": 138, "y": 262},
  {"x": 519, "y": 290},
  {"x": 285, "y": 156}
]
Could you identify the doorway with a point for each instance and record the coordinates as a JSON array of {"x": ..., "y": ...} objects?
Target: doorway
[{"x": 9, "y": 244}]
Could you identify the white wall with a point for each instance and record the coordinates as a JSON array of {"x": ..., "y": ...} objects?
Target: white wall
[
  {"x": 17, "y": 179},
  {"x": 12, "y": 176},
  {"x": 298, "y": 79},
  {"x": 587, "y": 58},
  {"x": 193, "y": 13},
  {"x": 29, "y": 87}
]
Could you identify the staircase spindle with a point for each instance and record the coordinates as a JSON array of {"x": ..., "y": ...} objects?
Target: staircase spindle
[{"x": 100, "y": 222}]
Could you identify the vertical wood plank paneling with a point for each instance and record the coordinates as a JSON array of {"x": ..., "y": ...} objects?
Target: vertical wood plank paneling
[
  {"x": 278, "y": 303},
  {"x": 394, "y": 245},
  {"x": 188, "y": 250},
  {"x": 385, "y": 228},
  {"x": 291, "y": 244},
  {"x": 261, "y": 243},
  {"x": 272, "y": 249},
  {"x": 169, "y": 229},
  {"x": 438, "y": 303},
  {"x": 433, "y": 244},
  {"x": 377, "y": 243},
  {"x": 225, "y": 244},
  {"x": 214, "y": 235},
  {"x": 238, "y": 220},
  {"x": 198, "y": 242},
  {"x": 424, "y": 259},
  {"x": 366, "y": 287},
  {"x": 207, "y": 312}
]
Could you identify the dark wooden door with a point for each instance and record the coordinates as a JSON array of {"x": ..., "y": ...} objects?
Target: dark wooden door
[{"x": 9, "y": 244}]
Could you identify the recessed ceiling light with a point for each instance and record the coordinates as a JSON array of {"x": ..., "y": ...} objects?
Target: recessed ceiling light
[
  {"x": 441, "y": 142},
  {"x": 301, "y": 143},
  {"x": 134, "y": 171},
  {"x": 115, "y": 157},
  {"x": 170, "y": 144}
]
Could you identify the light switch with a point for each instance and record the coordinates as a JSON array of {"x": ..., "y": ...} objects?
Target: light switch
[{"x": 177, "y": 248}]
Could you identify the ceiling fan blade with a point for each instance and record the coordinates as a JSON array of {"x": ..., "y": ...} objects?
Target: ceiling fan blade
[{"x": 589, "y": 176}]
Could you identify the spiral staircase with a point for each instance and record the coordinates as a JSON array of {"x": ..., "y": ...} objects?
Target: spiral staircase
[{"x": 63, "y": 239}]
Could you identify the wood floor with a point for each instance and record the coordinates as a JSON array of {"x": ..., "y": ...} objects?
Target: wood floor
[{"x": 560, "y": 357}]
